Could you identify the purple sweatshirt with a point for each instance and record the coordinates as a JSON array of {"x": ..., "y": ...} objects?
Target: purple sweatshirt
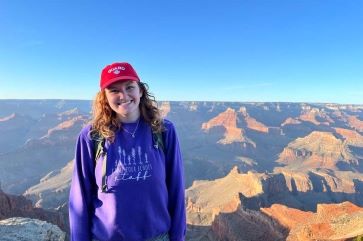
[{"x": 145, "y": 196}]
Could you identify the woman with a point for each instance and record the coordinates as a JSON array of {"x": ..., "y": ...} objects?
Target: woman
[{"x": 133, "y": 189}]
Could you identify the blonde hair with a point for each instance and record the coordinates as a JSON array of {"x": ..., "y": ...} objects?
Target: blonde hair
[{"x": 105, "y": 121}]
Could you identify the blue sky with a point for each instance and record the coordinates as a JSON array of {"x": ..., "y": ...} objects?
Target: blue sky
[{"x": 246, "y": 50}]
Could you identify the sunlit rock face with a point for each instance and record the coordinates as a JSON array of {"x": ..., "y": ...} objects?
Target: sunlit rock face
[
  {"x": 342, "y": 221},
  {"x": 228, "y": 120},
  {"x": 351, "y": 137},
  {"x": 317, "y": 150},
  {"x": 251, "y": 122},
  {"x": 355, "y": 123}
]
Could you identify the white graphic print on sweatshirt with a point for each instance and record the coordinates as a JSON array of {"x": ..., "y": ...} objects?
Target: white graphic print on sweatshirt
[{"x": 131, "y": 166}]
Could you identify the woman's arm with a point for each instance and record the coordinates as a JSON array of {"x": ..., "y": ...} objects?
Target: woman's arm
[
  {"x": 175, "y": 184},
  {"x": 80, "y": 198}
]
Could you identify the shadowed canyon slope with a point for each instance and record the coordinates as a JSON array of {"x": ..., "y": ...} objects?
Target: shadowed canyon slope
[{"x": 238, "y": 157}]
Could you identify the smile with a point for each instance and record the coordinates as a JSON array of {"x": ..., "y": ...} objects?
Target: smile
[{"x": 125, "y": 103}]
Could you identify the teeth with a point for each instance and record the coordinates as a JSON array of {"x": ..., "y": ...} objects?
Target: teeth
[{"x": 122, "y": 103}]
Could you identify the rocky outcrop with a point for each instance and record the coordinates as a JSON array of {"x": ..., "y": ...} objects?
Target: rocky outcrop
[
  {"x": 310, "y": 114},
  {"x": 216, "y": 205},
  {"x": 317, "y": 150},
  {"x": 247, "y": 225},
  {"x": 206, "y": 199},
  {"x": 318, "y": 181},
  {"x": 26, "y": 229},
  {"x": 252, "y": 123},
  {"x": 228, "y": 120},
  {"x": 331, "y": 221},
  {"x": 291, "y": 121},
  {"x": 288, "y": 217},
  {"x": 355, "y": 123},
  {"x": 352, "y": 137},
  {"x": 299, "y": 189}
]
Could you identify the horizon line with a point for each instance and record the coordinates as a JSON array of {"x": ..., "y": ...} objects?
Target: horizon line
[{"x": 221, "y": 101}]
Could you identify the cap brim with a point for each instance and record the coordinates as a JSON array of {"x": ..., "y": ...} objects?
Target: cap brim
[{"x": 124, "y": 78}]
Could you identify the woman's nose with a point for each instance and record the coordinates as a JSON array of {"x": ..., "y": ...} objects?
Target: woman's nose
[{"x": 122, "y": 94}]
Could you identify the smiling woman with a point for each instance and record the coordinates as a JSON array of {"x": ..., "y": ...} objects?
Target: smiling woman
[{"x": 133, "y": 188}]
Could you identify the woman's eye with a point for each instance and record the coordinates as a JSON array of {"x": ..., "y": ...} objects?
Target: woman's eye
[
  {"x": 114, "y": 91},
  {"x": 130, "y": 87}
]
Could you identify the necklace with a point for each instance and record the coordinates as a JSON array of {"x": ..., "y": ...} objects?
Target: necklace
[{"x": 133, "y": 132}]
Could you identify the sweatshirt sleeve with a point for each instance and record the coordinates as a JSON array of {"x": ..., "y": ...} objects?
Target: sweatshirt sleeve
[
  {"x": 175, "y": 184},
  {"x": 80, "y": 198}
]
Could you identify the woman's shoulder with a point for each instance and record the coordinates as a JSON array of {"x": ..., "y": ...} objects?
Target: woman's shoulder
[
  {"x": 86, "y": 131},
  {"x": 169, "y": 128},
  {"x": 168, "y": 124}
]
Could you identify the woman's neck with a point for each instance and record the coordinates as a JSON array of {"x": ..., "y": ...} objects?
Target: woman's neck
[{"x": 129, "y": 118}]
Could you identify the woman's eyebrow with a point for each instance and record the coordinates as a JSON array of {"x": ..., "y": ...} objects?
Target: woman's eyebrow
[{"x": 112, "y": 88}]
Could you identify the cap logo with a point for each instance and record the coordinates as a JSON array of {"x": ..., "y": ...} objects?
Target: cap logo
[{"x": 116, "y": 70}]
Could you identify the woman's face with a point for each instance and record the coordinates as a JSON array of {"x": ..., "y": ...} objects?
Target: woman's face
[{"x": 124, "y": 98}]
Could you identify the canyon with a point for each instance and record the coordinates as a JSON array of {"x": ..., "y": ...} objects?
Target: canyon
[{"x": 254, "y": 171}]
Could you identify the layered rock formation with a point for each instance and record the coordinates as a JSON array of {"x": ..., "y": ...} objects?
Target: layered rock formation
[
  {"x": 356, "y": 123},
  {"x": 228, "y": 120},
  {"x": 317, "y": 150},
  {"x": 26, "y": 229},
  {"x": 223, "y": 206},
  {"x": 252, "y": 123},
  {"x": 291, "y": 121},
  {"x": 310, "y": 114},
  {"x": 331, "y": 221},
  {"x": 206, "y": 199},
  {"x": 66, "y": 126},
  {"x": 217, "y": 207},
  {"x": 53, "y": 190},
  {"x": 247, "y": 225},
  {"x": 352, "y": 137}
]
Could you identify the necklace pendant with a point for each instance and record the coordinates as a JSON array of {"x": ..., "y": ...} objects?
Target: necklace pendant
[{"x": 133, "y": 135}]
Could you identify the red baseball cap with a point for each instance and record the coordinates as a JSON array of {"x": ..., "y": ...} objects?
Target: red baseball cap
[{"x": 116, "y": 72}]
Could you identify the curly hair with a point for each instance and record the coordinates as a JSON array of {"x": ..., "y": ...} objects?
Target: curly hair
[{"x": 105, "y": 121}]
